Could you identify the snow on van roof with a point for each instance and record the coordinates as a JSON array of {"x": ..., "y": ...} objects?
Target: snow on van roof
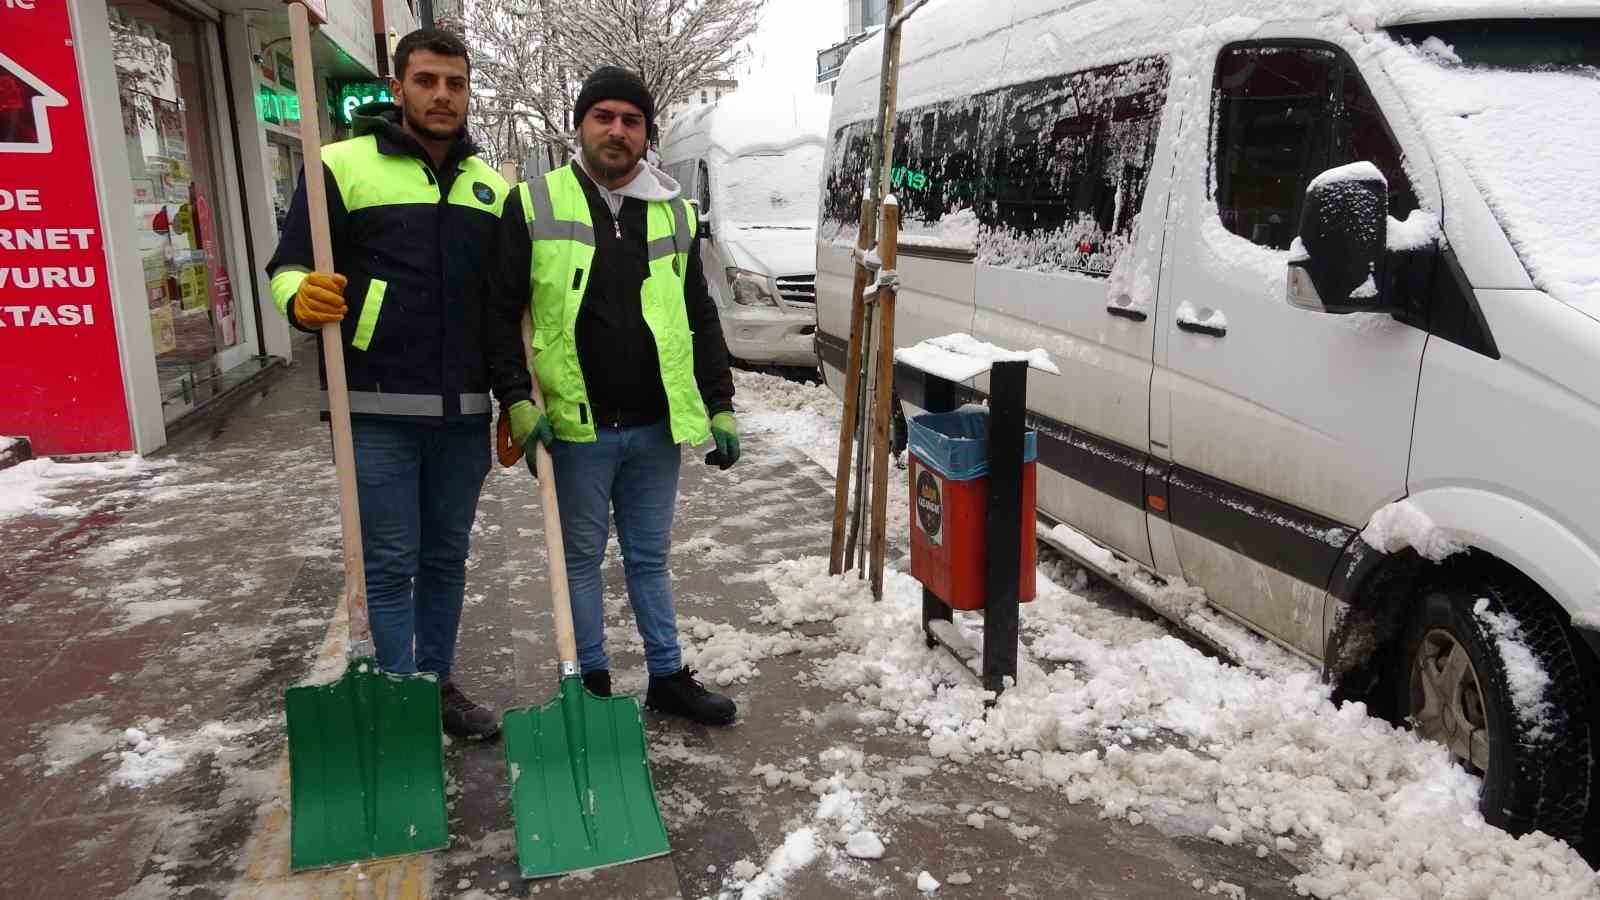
[
  {"x": 748, "y": 121},
  {"x": 957, "y": 48}
]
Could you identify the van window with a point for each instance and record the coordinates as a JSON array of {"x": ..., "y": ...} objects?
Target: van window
[
  {"x": 1284, "y": 114},
  {"x": 1053, "y": 171},
  {"x": 702, "y": 184}
]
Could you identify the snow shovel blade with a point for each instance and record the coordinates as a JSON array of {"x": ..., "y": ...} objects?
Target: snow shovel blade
[
  {"x": 366, "y": 768},
  {"x": 581, "y": 792}
]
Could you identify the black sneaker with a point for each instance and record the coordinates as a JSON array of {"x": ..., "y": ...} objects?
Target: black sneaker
[
  {"x": 598, "y": 682},
  {"x": 463, "y": 718},
  {"x": 681, "y": 694}
]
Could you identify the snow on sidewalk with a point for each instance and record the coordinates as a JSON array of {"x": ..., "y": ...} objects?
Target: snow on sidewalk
[{"x": 1115, "y": 711}]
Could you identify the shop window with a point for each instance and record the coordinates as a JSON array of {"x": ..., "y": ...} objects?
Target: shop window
[
  {"x": 1283, "y": 115},
  {"x": 164, "y": 83},
  {"x": 1053, "y": 171}
]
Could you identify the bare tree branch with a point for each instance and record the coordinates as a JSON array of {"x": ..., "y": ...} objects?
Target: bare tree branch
[{"x": 530, "y": 58}]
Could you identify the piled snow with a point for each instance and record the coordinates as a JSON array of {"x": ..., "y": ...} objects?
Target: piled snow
[
  {"x": 960, "y": 357},
  {"x": 1202, "y": 317},
  {"x": 1528, "y": 679},
  {"x": 34, "y": 485},
  {"x": 723, "y": 654},
  {"x": 804, "y": 416},
  {"x": 1403, "y": 524},
  {"x": 1153, "y": 730}
]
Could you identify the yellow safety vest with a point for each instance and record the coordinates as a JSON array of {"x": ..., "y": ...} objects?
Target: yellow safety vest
[{"x": 562, "y": 232}]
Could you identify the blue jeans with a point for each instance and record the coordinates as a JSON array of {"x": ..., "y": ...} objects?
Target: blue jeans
[
  {"x": 418, "y": 487},
  {"x": 633, "y": 474}
]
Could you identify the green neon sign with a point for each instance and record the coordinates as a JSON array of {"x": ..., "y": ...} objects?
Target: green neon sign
[
  {"x": 279, "y": 109},
  {"x": 355, "y": 94},
  {"x": 902, "y": 177}
]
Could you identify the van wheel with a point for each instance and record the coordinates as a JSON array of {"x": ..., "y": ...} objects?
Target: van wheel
[{"x": 1454, "y": 687}]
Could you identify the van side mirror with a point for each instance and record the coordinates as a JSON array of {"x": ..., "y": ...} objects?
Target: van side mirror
[
  {"x": 1339, "y": 257},
  {"x": 704, "y": 219}
]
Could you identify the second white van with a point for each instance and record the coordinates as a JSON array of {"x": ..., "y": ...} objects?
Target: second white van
[{"x": 751, "y": 162}]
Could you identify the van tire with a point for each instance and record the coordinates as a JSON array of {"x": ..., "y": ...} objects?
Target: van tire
[{"x": 1533, "y": 781}]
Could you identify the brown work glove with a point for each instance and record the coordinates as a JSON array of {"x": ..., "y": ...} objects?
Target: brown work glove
[{"x": 320, "y": 299}]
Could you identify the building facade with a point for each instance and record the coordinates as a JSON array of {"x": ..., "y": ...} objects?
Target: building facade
[
  {"x": 139, "y": 219},
  {"x": 706, "y": 94},
  {"x": 862, "y": 18}
]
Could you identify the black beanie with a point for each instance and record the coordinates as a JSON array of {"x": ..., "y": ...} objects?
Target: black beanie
[{"x": 614, "y": 83}]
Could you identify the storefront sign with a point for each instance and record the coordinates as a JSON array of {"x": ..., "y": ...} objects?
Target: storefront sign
[
  {"x": 277, "y": 108},
  {"x": 62, "y": 376},
  {"x": 355, "y": 94}
]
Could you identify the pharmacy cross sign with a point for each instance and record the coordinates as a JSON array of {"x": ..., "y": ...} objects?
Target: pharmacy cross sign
[{"x": 24, "y": 104}]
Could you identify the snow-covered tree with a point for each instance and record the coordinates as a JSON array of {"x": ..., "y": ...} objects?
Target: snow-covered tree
[{"x": 530, "y": 58}]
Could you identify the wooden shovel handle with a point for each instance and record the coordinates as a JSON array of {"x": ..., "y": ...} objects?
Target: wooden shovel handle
[
  {"x": 344, "y": 457},
  {"x": 555, "y": 548}
]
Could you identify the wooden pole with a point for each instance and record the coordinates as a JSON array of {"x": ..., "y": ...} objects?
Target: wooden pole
[
  {"x": 344, "y": 456},
  {"x": 881, "y": 405},
  {"x": 852, "y": 395}
]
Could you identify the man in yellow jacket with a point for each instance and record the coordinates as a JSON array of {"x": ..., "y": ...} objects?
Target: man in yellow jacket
[
  {"x": 413, "y": 213},
  {"x": 630, "y": 355}
]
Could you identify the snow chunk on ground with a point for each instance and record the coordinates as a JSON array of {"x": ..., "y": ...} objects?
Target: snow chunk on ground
[
  {"x": 1400, "y": 525},
  {"x": 864, "y": 845},
  {"x": 926, "y": 883},
  {"x": 798, "y": 851},
  {"x": 154, "y": 758},
  {"x": 1528, "y": 679},
  {"x": 960, "y": 357}
]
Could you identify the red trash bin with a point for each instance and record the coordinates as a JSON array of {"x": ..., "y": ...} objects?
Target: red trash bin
[{"x": 949, "y": 507}]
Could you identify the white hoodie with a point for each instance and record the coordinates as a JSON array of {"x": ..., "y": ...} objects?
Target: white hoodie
[{"x": 651, "y": 185}]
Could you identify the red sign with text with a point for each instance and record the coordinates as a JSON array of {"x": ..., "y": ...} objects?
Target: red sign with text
[{"x": 60, "y": 373}]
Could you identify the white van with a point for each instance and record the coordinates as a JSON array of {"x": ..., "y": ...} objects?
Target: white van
[
  {"x": 1322, "y": 284},
  {"x": 752, "y": 162}
]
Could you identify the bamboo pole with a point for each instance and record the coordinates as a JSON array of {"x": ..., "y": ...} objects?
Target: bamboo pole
[
  {"x": 883, "y": 381},
  {"x": 887, "y": 294},
  {"x": 850, "y": 422}
]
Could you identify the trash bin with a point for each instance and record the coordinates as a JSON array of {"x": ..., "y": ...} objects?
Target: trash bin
[{"x": 949, "y": 506}]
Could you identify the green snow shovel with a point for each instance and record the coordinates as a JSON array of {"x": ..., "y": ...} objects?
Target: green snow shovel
[
  {"x": 366, "y": 753},
  {"x": 581, "y": 790}
]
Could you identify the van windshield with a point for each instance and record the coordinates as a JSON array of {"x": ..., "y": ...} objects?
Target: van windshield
[
  {"x": 775, "y": 189},
  {"x": 1518, "y": 102}
]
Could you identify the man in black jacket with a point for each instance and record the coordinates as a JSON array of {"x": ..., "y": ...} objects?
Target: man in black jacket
[
  {"x": 630, "y": 355},
  {"x": 412, "y": 211}
]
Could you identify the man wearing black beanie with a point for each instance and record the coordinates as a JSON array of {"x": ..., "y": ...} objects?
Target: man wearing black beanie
[{"x": 630, "y": 355}]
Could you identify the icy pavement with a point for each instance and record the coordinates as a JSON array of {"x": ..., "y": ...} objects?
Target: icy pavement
[{"x": 157, "y": 610}]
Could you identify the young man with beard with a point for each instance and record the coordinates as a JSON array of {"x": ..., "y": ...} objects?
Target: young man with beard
[
  {"x": 413, "y": 214},
  {"x": 630, "y": 355}
]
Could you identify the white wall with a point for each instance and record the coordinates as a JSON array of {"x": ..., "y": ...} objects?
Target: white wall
[
  {"x": 114, "y": 184},
  {"x": 350, "y": 26}
]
